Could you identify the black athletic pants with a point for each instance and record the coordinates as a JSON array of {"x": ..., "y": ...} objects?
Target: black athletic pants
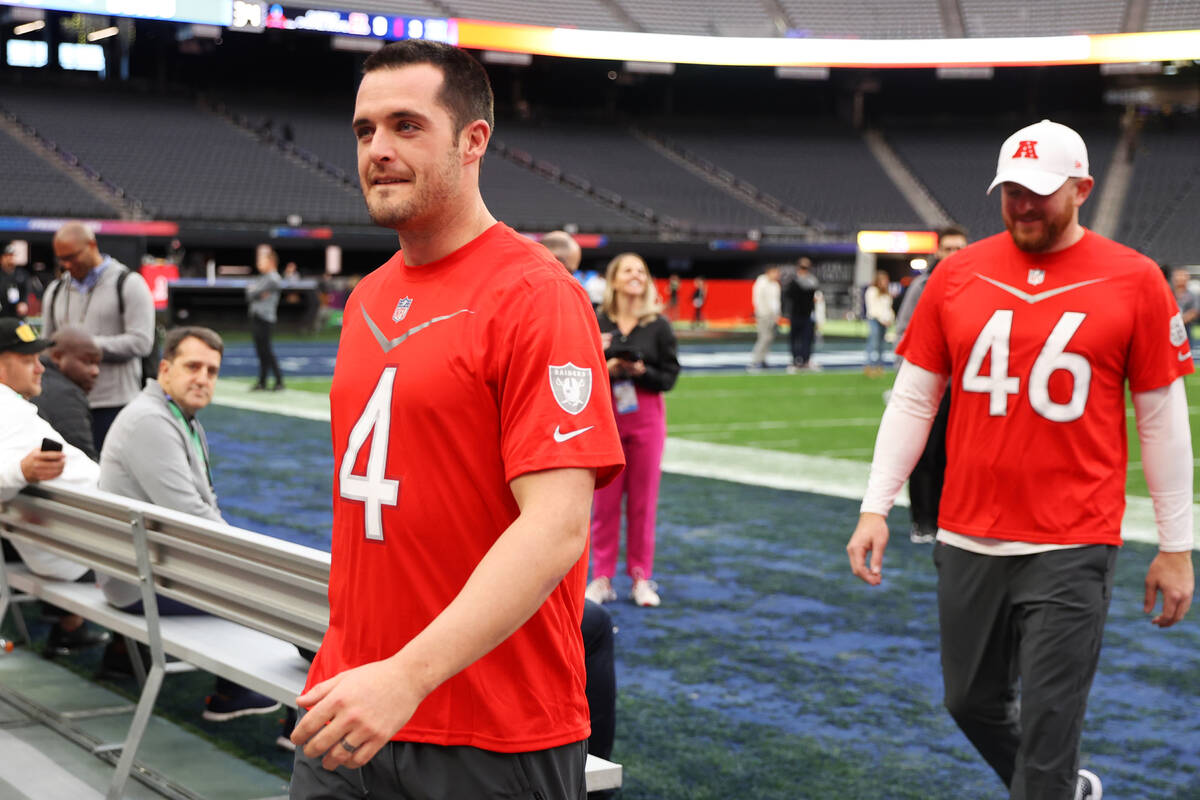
[
  {"x": 1032, "y": 621},
  {"x": 415, "y": 771},
  {"x": 601, "y": 689},
  {"x": 925, "y": 482},
  {"x": 801, "y": 340},
  {"x": 261, "y": 331}
]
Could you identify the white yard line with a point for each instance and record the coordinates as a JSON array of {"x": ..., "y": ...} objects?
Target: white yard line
[{"x": 834, "y": 477}]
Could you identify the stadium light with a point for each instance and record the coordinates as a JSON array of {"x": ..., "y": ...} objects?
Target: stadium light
[
  {"x": 29, "y": 27},
  {"x": 103, "y": 33}
]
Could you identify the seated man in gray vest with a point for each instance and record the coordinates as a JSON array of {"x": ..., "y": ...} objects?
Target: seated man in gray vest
[{"x": 156, "y": 451}]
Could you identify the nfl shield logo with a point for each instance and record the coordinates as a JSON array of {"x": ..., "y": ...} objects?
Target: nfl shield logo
[
  {"x": 1036, "y": 276},
  {"x": 572, "y": 387},
  {"x": 401, "y": 309}
]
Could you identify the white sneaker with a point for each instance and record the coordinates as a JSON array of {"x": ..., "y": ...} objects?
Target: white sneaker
[
  {"x": 645, "y": 593},
  {"x": 1088, "y": 787},
  {"x": 600, "y": 591}
]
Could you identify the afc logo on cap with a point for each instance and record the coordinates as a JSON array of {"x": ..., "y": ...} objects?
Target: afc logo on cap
[{"x": 1026, "y": 149}]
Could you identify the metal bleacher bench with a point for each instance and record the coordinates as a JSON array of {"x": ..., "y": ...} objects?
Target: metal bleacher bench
[{"x": 265, "y": 596}]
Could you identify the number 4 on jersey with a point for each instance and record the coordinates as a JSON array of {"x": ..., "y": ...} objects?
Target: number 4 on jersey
[
  {"x": 998, "y": 384},
  {"x": 373, "y": 489}
]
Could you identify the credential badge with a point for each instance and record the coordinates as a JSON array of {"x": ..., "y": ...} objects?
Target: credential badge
[
  {"x": 402, "y": 306},
  {"x": 572, "y": 387},
  {"x": 1178, "y": 331},
  {"x": 1036, "y": 277}
]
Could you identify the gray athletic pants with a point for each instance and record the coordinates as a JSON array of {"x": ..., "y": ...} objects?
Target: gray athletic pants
[
  {"x": 416, "y": 771},
  {"x": 1036, "y": 620}
]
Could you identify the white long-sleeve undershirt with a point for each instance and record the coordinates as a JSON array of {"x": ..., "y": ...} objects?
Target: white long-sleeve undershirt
[{"x": 1162, "y": 424}]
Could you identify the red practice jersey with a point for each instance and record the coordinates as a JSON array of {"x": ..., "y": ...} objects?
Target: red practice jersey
[
  {"x": 1038, "y": 348},
  {"x": 452, "y": 379}
]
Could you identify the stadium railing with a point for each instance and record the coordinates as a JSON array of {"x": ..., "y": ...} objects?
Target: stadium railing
[{"x": 266, "y": 597}]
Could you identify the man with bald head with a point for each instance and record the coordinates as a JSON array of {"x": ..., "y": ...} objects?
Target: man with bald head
[
  {"x": 563, "y": 247},
  {"x": 72, "y": 365},
  {"x": 94, "y": 294}
]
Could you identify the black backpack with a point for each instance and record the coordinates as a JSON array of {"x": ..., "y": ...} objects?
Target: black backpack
[{"x": 148, "y": 362}]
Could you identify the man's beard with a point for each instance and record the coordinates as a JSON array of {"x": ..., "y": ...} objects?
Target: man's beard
[
  {"x": 1052, "y": 230},
  {"x": 431, "y": 193}
]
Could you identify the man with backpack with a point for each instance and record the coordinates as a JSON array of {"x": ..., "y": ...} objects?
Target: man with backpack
[{"x": 95, "y": 293}]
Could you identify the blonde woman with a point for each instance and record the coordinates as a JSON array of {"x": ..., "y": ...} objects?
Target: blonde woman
[{"x": 642, "y": 364}]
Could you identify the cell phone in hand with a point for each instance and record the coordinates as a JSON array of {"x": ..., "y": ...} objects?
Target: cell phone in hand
[
  {"x": 51, "y": 446},
  {"x": 628, "y": 355}
]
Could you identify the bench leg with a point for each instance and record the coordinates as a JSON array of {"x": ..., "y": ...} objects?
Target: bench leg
[
  {"x": 137, "y": 728},
  {"x": 135, "y": 661},
  {"x": 11, "y": 602}
]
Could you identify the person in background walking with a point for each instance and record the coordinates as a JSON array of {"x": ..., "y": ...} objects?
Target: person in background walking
[{"x": 263, "y": 295}]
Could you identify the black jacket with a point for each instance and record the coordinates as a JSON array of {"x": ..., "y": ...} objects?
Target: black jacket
[
  {"x": 65, "y": 406},
  {"x": 654, "y": 343}
]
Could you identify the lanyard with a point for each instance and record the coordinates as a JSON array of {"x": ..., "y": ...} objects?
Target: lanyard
[{"x": 195, "y": 437}]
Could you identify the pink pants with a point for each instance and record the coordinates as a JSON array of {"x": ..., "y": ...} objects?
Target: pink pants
[{"x": 643, "y": 434}]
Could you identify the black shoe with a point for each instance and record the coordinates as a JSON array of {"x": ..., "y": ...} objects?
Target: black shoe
[
  {"x": 258, "y": 387},
  {"x": 63, "y": 643},
  {"x": 278, "y": 387},
  {"x": 115, "y": 664}
]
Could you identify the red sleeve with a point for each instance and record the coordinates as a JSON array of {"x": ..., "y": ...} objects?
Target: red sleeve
[
  {"x": 924, "y": 340},
  {"x": 555, "y": 409},
  {"x": 1159, "y": 352}
]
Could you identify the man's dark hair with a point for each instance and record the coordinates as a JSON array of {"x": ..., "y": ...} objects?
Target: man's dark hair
[
  {"x": 466, "y": 91},
  {"x": 952, "y": 230},
  {"x": 175, "y": 337}
]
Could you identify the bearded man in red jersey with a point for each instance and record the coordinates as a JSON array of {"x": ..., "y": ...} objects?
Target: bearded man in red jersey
[{"x": 1036, "y": 331}]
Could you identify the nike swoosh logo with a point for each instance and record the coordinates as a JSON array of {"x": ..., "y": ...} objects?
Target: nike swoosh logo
[
  {"x": 1039, "y": 297},
  {"x": 561, "y": 437},
  {"x": 1184, "y": 356},
  {"x": 387, "y": 344}
]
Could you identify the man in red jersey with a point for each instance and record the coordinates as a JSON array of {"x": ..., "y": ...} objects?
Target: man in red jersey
[
  {"x": 1036, "y": 331},
  {"x": 468, "y": 437}
]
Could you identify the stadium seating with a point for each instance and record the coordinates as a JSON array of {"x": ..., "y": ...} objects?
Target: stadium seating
[
  {"x": 34, "y": 188},
  {"x": 1159, "y": 217},
  {"x": 592, "y": 14},
  {"x": 1172, "y": 15},
  {"x": 701, "y": 17},
  {"x": 1035, "y": 18},
  {"x": 820, "y": 168},
  {"x": 609, "y": 156},
  {"x": 181, "y": 161},
  {"x": 866, "y": 19}
]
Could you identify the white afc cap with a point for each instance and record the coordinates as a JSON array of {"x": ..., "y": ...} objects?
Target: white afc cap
[{"x": 1041, "y": 157}]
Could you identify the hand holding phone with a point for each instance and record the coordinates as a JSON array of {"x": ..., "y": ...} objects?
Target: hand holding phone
[{"x": 44, "y": 463}]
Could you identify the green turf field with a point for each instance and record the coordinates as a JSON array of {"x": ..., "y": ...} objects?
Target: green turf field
[{"x": 832, "y": 414}]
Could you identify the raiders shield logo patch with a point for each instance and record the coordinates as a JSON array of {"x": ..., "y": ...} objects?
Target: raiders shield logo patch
[
  {"x": 402, "y": 307},
  {"x": 1178, "y": 331},
  {"x": 572, "y": 387}
]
